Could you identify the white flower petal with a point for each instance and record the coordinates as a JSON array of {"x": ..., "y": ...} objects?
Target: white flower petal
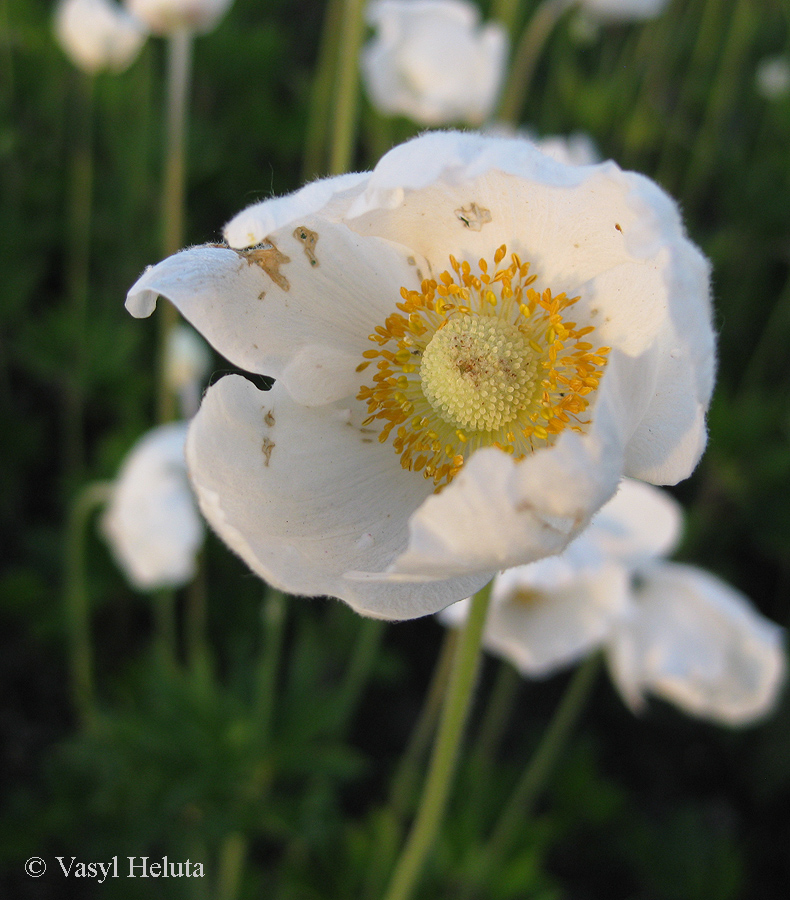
[
  {"x": 282, "y": 486},
  {"x": 98, "y": 35},
  {"x": 281, "y": 315},
  {"x": 164, "y": 17},
  {"x": 430, "y": 60},
  {"x": 331, "y": 196},
  {"x": 639, "y": 524},
  {"x": 699, "y": 643},
  {"x": 151, "y": 523},
  {"x": 542, "y": 629}
]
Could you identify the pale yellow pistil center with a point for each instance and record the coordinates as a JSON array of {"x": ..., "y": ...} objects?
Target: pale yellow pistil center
[{"x": 477, "y": 372}]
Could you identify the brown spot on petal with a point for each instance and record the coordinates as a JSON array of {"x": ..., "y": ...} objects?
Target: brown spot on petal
[
  {"x": 618, "y": 227},
  {"x": 269, "y": 418},
  {"x": 474, "y": 216},
  {"x": 269, "y": 258},
  {"x": 267, "y": 446},
  {"x": 309, "y": 239}
]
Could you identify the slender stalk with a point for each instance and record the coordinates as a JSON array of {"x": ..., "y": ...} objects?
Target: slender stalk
[
  {"x": 345, "y": 105},
  {"x": 536, "y": 775},
  {"x": 371, "y": 631},
  {"x": 525, "y": 58},
  {"x": 231, "y": 866},
  {"x": 389, "y": 831},
  {"x": 409, "y": 767},
  {"x": 76, "y": 598},
  {"x": 165, "y": 627},
  {"x": 77, "y": 277},
  {"x": 174, "y": 190},
  {"x": 195, "y": 618},
  {"x": 445, "y": 752},
  {"x": 507, "y": 12},
  {"x": 497, "y": 715},
  {"x": 273, "y": 613},
  {"x": 326, "y": 69}
]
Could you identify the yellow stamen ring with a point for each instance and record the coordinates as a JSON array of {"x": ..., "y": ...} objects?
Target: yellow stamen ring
[{"x": 478, "y": 360}]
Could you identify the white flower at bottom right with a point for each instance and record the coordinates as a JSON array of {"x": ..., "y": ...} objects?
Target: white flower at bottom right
[
  {"x": 668, "y": 629},
  {"x": 697, "y": 642}
]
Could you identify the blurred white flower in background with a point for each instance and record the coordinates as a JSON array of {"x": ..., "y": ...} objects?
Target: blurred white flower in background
[
  {"x": 433, "y": 61},
  {"x": 187, "y": 364},
  {"x": 98, "y": 35},
  {"x": 152, "y": 523},
  {"x": 443, "y": 405},
  {"x": 772, "y": 77},
  {"x": 671, "y": 630},
  {"x": 164, "y": 17}
]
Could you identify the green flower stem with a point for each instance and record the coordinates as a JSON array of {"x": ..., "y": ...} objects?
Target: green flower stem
[
  {"x": 320, "y": 100},
  {"x": 371, "y": 631},
  {"x": 273, "y": 613},
  {"x": 537, "y": 773},
  {"x": 410, "y": 766},
  {"x": 195, "y": 616},
  {"x": 76, "y": 598},
  {"x": 345, "y": 106},
  {"x": 507, "y": 12},
  {"x": 525, "y": 58},
  {"x": 389, "y": 831},
  {"x": 445, "y": 752},
  {"x": 165, "y": 628},
  {"x": 497, "y": 715},
  {"x": 174, "y": 189},
  {"x": 725, "y": 85},
  {"x": 231, "y": 866},
  {"x": 77, "y": 277}
]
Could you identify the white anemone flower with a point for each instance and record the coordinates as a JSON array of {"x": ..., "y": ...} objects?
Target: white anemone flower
[
  {"x": 446, "y": 401},
  {"x": 98, "y": 35},
  {"x": 671, "y": 630},
  {"x": 164, "y": 17},
  {"x": 152, "y": 523},
  {"x": 433, "y": 61}
]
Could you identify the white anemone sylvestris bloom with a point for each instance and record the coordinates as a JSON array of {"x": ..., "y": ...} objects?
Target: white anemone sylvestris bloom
[
  {"x": 433, "y": 61},
  {"x": 164, "y": 17},
  {"x": 671, "y": 630},
  {"x": 446, "y": 401},
  {"x": 98, "y": 35},
  {"x": 152, "y": 523}
]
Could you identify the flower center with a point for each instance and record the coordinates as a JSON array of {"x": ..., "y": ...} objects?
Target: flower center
[
  {"x": 477, "y": 372},
  {"x": 478, "y": 360}
]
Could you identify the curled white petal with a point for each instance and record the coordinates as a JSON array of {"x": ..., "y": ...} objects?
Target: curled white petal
[
  {"x": 282, "y": 485},
  {"x": 98, "y": 35},
  {"x": 695, "y": 641},
  {"x": 432, "y": 61},
  {"x": 151, "y": 522}
]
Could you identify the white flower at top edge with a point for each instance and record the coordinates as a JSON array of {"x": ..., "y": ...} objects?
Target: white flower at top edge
[
  {"x": 166, "y": 16},
  {"x": 446, "y": 400},
  {"x": 667, "y": 629},
  {"x": 431, "y": 60},
  {"x": 151, "y": 523},
  {"x": 98, "y": 35}
]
